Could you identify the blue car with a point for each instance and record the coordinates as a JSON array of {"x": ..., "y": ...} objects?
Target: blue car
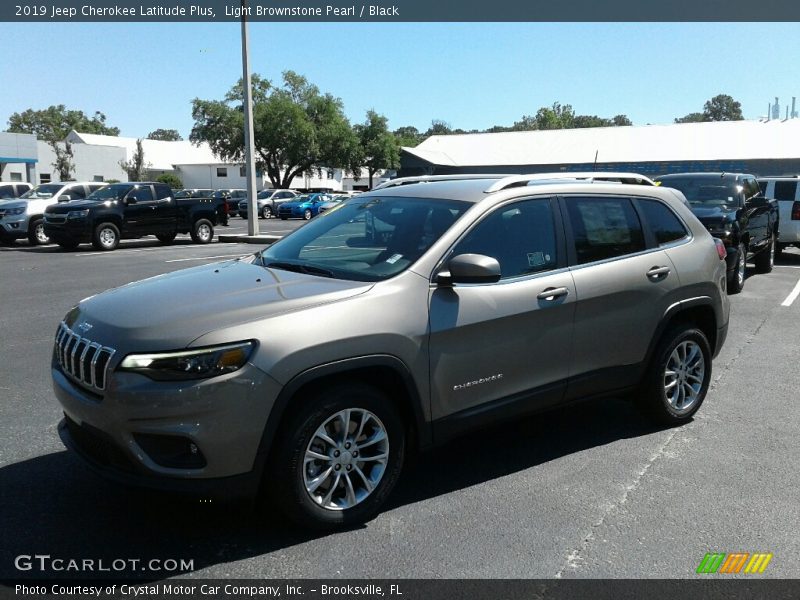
[{"x": 304, "y": 206}]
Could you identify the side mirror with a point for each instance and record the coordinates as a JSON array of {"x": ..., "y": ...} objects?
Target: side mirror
[
  {"x": 469, "y": 268},
  {"x": 64, "y": 198},
  {"x": 757, "y": 202},
  {"x": 130, "y": 200}
]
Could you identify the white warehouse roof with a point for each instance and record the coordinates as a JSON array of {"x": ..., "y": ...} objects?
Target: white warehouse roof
[
  {"x": 161, "y": 156},
  {"x": 732, "y": 140}
]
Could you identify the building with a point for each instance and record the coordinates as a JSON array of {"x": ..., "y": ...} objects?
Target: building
[
  {"x": 100, "y": 157},
  {"x": 758, "y": 147}
]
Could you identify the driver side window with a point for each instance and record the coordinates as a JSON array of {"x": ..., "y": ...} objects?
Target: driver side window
[
  {"x": 141, "y": 193},
  {"x": 520, "y": 236}
]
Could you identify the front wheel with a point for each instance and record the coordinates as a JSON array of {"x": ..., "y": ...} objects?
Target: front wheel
[
  {"x": 678, "y": 378},
  {"x": 106, "y": 236},
  {"x": 339, "y": 458},
  {"x": 202, "y": 231},
  {"x": 736, "y": 279},
  {"x": 766, "y": 258},
  {"x": 266, "y": 212},
  {"x": 307, "y": 214},
  {"x": 36, "y": 234}
]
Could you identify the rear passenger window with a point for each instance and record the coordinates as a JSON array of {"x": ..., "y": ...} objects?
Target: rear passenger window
[
  {"x": 785, "y": 190},
  {"x": 604, "y": 228},
  {"x": 666, "y": 227},
  {"x": 163, "y": 191},
  {"x": 521, "y": 237},
  {"x": 141, "y": 194}
]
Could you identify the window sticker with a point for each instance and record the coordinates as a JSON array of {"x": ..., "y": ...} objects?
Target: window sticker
[
  {"x": 536, "y": 259},
  {"x": 394, "y": 258}
]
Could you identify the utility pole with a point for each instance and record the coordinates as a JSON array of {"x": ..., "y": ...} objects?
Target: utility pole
[{"x": 250, "y": 166}]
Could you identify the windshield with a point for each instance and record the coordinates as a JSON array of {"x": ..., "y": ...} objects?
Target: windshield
[
  {"x": 110, "y": 192},
  {"x": 265, "y": 194},
  {"x": 366, "y": 239},
  {"x": 303, "y": 198},
  {"x": 705, "y": 191},
  {"x": 41, "y": 192}
]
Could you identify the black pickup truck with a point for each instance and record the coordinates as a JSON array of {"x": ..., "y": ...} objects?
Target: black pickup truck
[
  {"x": 733, "y": 209},
  {"x": 132, "y": 210}
]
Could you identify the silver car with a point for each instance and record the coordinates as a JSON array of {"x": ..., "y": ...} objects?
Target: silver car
[{"x": 411, "y": 314}]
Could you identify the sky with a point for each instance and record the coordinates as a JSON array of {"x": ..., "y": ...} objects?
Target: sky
[{"x": 471, "y": 75}]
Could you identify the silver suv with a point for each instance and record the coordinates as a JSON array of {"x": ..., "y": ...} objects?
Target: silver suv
[
  {"x": 409, "y": 315},
  {"x": 267, "y": 202}
]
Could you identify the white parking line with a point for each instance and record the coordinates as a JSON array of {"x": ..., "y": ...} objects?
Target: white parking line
[
  {"x": 793, "y": 296},
  {"x": 787, "y": 267},
  {"x": 205, "y": 257}
]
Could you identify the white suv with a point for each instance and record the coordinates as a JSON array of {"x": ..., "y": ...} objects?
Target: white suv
[
  {"x": 787, "y": 192},
  {"x": 23, "y": 216}
]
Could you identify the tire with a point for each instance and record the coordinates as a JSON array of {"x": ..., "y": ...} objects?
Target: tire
[
  {"x": 292, "y": 480},
  {"x": 202, "y": 231},
  {"x": 266, "y": 212},
  {"x": 765, "y": 259},
  {"x": 663, "y": 397},
  {"x": 64, "y": 245},
  {"x": 779, "y": 248},
  {"x": 105, "y": 237},
  {"x": 36, "y": 235},
  {"x": 736, "y": 279},
  {"x": 166, "y": 238},
  {"x": 307, "y": 214},
  {"x": 284, "y": 218}
]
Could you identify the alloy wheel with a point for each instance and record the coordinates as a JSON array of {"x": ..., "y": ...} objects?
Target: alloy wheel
[
  {"x": 684, "y": 376},
  {"x": 107, "y": 237},
  {"x": 41, "y": 238}
]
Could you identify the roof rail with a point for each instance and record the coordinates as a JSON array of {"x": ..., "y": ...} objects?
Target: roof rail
[
  {"x": 429, "y": 178},
  {"x": 590, "y": 177}
]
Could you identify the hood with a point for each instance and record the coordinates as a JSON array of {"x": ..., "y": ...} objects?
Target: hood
[
  {"x": 65, "y": 207},
  {"x": 170, "y": 311},
  {"x": 13, "y": 203},
  {"x": 714, "y": 214}
]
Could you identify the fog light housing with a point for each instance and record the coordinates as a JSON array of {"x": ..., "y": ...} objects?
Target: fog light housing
[{"x": 171, "y": 451}]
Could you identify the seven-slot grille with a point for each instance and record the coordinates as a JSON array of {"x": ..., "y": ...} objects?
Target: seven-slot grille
[{"x": 83, "y": 360}]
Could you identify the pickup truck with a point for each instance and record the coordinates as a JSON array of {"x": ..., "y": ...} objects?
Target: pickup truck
[
  {"x": 132, "y": 210},
  {"x": 733, "y": 209}
]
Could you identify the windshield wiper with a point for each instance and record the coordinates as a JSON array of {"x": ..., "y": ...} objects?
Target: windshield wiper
[{"x": 299, "y": 268}]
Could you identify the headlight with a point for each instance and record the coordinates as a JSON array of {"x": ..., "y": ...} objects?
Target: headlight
[
  {"x": 78, "y": 214},
  {"x": 12, "y": 212},
  {"x": 198, "y": 363}
]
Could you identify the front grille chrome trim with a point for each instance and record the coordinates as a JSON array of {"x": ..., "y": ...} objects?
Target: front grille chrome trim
[{"x": 73, "y": 364}]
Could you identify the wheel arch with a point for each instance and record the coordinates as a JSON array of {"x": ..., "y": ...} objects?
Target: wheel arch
[
  {"x": 385, "y": 372},
  {"x": 697, "y": 311}
]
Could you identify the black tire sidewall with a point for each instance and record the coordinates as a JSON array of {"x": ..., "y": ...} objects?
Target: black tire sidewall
[
  {"x": 654, "y": 397},
  {"x": 287, "y": 464}
]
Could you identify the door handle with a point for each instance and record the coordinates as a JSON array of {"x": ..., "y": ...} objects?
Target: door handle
[
  {"x": 552, "y": 293},
  {"x": 657, "y": 273}
]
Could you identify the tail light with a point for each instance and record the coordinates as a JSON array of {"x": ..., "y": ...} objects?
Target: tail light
[
  {"x": 796, "y": 211},
  {"x": 720, "y": 248}
]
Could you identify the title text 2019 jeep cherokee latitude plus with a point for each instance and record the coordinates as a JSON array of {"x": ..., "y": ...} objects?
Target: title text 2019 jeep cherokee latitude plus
[{"x": 410, "y": 314}]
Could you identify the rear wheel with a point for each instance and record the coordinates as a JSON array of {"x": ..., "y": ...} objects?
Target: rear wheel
[
  {"x": 736, "y": 279},
  {"x": 677, "y": 380},
  {"x": 166, "y": 238},
  {"x": 202, "y": 231},
  {"x": 766, "y": 258},
  {"x": 106, "y": 236},
  {"x": 266, "y": 212},
  {"x": 339, "y": 457},
  {"x": 36, "y": 235}
]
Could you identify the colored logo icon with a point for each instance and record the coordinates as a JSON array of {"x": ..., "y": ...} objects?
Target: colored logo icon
[{"x": 736, "y": 562}]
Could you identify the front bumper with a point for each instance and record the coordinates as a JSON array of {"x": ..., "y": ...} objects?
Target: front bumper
[
  {"x": 223, "y": 416},
  {"x": 68, "y": 231},
  {"x": 14, "y": 228}
]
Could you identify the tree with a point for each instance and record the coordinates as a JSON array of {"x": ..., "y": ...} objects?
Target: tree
[
  {"x": 408, "y": 136},
  {"x": 171, "y": 180},
  {"x": 438, "y": 127},
  {"x": 55, "y": 122},
  {"x": 694, "y": 117},
  {"x": 297, "y": 128},
  {"x": 64, "y": 163},
  {"x": 722, "y": 108},
  {"x": 136, "y": 167},
  {"x": 165, "y": 135},
  {"x": 621, "y": 121},
  {"x": 555, "y": 117},
  {"x": 719, "y": 108},
  {"x": 378, "y": 145}
]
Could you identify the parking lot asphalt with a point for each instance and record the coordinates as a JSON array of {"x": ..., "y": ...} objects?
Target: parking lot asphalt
[{"x": 589, "y": 490}]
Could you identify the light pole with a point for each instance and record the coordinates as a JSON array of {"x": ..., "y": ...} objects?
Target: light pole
[{"x": 250, "y": 170}]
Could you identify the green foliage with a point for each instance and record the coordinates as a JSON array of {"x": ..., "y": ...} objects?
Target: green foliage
[
  {"x": 55, "y": 122},
  {"x": 438, "y": 127},
  {"x": 111, "y": 181},
  {"x": 297, "y": 128},
  {"x": 408, "y": 136},
  {"x": 721, "y": 107},
  {"x": 165, "y": 135},
  {"x": 136, "y": 167},
  {"x": 171, "y": 180},
  {"x": 64, "y": 163},
  {"x": 379, "y": 147}
]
